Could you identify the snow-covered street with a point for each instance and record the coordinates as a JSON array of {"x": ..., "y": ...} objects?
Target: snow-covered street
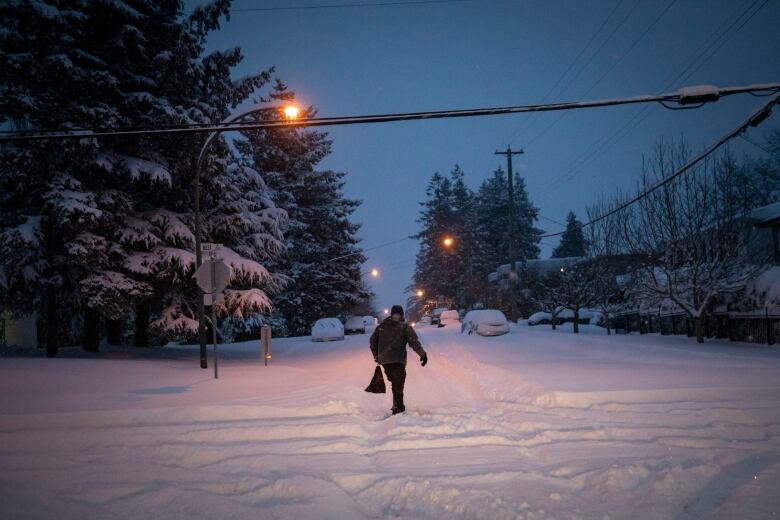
[{"x": 535, "y": 424}]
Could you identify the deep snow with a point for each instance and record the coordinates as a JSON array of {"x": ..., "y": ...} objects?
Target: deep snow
[{"x": 535, "y": 424}]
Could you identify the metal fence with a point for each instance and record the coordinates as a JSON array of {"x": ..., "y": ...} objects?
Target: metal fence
[{"x": 748, "y": 327}]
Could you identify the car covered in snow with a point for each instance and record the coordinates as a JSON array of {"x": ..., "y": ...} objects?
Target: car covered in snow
[
  {"x": 562, "y": 315},
  {"x": 542, "y": 318},
  {"x": 355, "y": 325},
  {"x": 485, "y": 322},
  {"x": 448, "y": 318},
  {"x": 436, "y": 314},
  {"x": 327, "y": 329},
  {"x": 370, "y": 321}
]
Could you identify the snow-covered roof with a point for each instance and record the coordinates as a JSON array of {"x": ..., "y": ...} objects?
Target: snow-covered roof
[
  {"x": 765, "y": 214},
  {"x": 540, "y": 265},
  {"x": 547, "y": 265}
]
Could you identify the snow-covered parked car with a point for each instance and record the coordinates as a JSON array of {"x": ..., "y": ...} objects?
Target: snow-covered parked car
[
  {"x": 436, "y": 314},
  {"x": 327, "y": 329},
  {"x": 448, "y": 318},
  {"x": 542, "y": 318},
  {"x": 355, "y": 325},
  {"x": 370, "y": 321},
  {"x": 485, "y": 322},
  {"x": 562, "y": 315}
]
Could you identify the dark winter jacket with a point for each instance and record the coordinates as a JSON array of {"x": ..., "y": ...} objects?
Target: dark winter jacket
[{"x": 388, "y": 342}]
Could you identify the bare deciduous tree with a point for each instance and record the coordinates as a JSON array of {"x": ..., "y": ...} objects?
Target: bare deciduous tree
[{"x": 694, "y": 233}]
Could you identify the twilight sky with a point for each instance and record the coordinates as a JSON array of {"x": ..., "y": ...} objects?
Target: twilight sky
[{"x": 481, "y": 53}]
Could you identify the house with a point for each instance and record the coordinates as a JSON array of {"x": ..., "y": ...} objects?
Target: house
[
  {"x": 501, "y": 276},
  {"x": 767, "y": 221}
]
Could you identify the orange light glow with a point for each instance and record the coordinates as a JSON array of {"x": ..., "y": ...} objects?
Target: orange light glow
[
  {"x": 448, "y": 241},
  {"x": 375, "y": 272},
  {"x": 291, "y": 112}
]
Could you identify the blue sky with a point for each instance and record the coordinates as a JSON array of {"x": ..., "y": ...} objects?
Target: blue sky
[{"x": 362, "y": 60}]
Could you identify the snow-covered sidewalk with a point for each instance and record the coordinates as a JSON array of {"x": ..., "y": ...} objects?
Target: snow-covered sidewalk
[{"x": 535, "y": 424}]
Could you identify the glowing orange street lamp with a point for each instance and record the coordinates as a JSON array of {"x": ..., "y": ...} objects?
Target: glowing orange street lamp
[
  {"x": 420, "y": 293},
  {"x": 448, "y": 241},
  {"x": 387, "y": 311},
  {"x": 375, "y": 272},
  {"x": 291, "y": 112}
]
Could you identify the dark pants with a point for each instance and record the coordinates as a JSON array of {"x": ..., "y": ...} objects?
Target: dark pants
[{"x": 396, "y": 374}]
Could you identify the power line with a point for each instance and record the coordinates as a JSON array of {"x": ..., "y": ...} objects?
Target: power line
[
  {"x": 585, "y": 67},
  {"x": 754, "y": 120},
  {"x": 680, "y": 96},
  {"x": 643, "y": 113},
  {"x": 606, "y": 73},
  {"x": 551, "y": 220},
  {"x": 568, "y": 69},
  {"x": 601, "y": 47},
  {"x": 757, "y": 145},
  {"x": 343, "y": 6},
  {"x": 370, "y": 249},
  {"x": 632, "y": 46}
]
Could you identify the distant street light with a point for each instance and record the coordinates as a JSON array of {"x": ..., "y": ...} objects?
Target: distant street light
[
  {"x": 387, "y": 311},
  {"x": 448, "y": 241},
  {"x": 420, "y": 293},
  {"x": 374, "y": 272},
  {"x": 290, "y": 112}
]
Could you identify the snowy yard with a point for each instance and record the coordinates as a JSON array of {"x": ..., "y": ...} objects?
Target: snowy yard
[{"x": 535, "y": 424}]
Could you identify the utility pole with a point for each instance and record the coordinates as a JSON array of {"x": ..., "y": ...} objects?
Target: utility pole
[{"x": 511, "y": 231}]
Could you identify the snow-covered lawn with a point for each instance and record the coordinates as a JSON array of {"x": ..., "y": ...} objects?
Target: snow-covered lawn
[{"x": 534, "y": 424}]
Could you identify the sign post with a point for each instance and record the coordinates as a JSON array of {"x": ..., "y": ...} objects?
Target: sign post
[
  {"x": 265, "y": 338},
  {"x": 212, "y": 276},
  {"x": 214, "y": 316}
]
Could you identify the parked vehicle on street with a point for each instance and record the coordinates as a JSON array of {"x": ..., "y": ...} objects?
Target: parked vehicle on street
[
  {"x": 355, "y": 325},
  {"x": 449, "y": 318},
  {"x": 327, "y": 329},
  {"x": 370, "y": 321},
  {"x": 542, "y": 318},
  {"x": 435, "y": 315},
  {"x": 564, "y": 315},
  {"x": 426, "y": 320},
  {"x": 485, "y": 322}
]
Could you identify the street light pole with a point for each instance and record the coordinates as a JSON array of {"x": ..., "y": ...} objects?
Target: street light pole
[
  {"x": 510, "y": 235},
  {"x": 290, "y": 112}
]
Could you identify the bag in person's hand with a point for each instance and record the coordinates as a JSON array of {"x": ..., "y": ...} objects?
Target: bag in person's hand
[{"x": 377, "y": 384}]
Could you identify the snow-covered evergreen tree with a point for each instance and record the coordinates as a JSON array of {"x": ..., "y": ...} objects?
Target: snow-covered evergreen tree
[
  {"x": 493, "y": 221},
  {"x": 322, "y": 260},
  {"x": 437, "y": 265},
  {"x": 105, "y": 224},
  {"x": 573, "y": 241}
]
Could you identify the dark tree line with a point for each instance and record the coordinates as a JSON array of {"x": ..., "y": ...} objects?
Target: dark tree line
[{"x": 478, "y": 224}]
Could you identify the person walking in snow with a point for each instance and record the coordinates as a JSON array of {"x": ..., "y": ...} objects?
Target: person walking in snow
[{"x": 388, "y": 345}]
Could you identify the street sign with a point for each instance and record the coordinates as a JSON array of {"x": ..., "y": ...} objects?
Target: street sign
[
  {"x": 209, "y": 247},
  {"x": 212, "y": 276}
]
